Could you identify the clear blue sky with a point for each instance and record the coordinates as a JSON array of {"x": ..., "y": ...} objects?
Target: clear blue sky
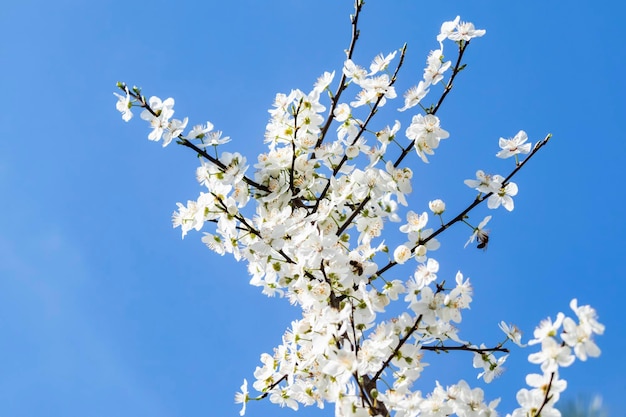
[{"x": 104, "y": 311}]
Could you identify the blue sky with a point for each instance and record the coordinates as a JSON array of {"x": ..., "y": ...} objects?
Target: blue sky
[{"x": 104, "y": 311}]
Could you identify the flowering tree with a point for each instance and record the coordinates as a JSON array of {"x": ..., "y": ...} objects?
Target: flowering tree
[{"x": 309, "y": 221}]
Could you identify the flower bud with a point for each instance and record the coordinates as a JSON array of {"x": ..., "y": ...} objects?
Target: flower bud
[
  {"x": 420, "y": 251},
  {"x": 437, "y": 206}
]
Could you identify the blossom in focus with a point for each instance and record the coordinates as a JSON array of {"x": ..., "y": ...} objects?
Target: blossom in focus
[
  {"x": 547, "y": 328},
  {"x": 242, "y": 397},
  {"x": 492, "y": 367},
  {"x": 435, "y": 67},
  {"x": 215, "y": 138},
  {"x": 123, "y": 105},
  {"x": 415, "y": 222},
  {"x": 456, "y": 30},
  {"x": 426, "y": 273},
  {"x": 503, "y": 195},
  {"x": 200, "y": 131},
  {"x": 512, "y": 333},
  {"x": 323, "y": 81},
  {"x": 484, "y": 183},
  {"x": 437, "y": 206},
  {"x": 174, "y": 128},
  {"x": 447, "y": 28},
  {"x": 158, "y": 116},
  {"x": 380, "y": 62},
  {"x": 414, "y": 95},
  {"x": 514, "y": 146},
  {"x": 341, "y": 112},
  {"x": 466, "y": 31},
  {"x": 402, "y": 254},
  {"x": 426, "y": 134},
  {"x": 552, "y": 355},
  {"x": 353, "y": 71}
]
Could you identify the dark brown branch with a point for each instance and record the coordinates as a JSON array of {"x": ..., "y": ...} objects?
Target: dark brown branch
[
  {"x": 546, "y": 398},
  {"x": 292, "y": 173},
  {"x": 219, "y": 164},
  {"x": 465, "y": 348},
  {"x": 274, "y": 385},
  {"x": 457, "y": 68},
  {"x": 402, "y": 341},
  {"x": 355, "y": 213}
]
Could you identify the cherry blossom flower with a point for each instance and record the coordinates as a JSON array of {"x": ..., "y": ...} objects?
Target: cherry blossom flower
[
  {"x": 242, "y": 397},
  {"x": 447, "y": 28},
  {"x": 393, "y": 288},
  {"x": 466, "y": 31},
  {"x": 437, "y": 206},
  {"x": 159, "y": 117},
  {"x": 514, "y": 146},
  {"x": 552, "y": 355},
  {"x": 435, "y": 67},
  {"x": 503, "y": 195},
  {"x": 484, "y": 183},
  {"x": 341, "y": 112},
  {"x": 124, "y": 105},
  {"x": 323, "y": 81},
  {"x": 492, "y": 367},
  {"x": 175, "y": 128},
  {"x": 587, "y": 317},
  {"x": 415, "y": 222},
  {"x": 530, "y": 402},
  {"x": 512, "y": 333},
  {"x": 380, "y": 62},
  {"x": 215, "y": 139},
  {"x": 414, "y": 95},
  {"x": 547, "y": 328},
  {"x": 426, "y": 273},
  {"x": 578, "y": 337},
  {"x": 401, "y": 254},
  {"x": 547, "y": 382},
  {"x": 200, "y": 131},
  {"x": 354, "y": 72},
  {"x": 456, "y": 30}
]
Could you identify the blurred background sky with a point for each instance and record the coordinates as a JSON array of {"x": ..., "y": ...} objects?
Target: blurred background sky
[{"x": 104, "y": 311}]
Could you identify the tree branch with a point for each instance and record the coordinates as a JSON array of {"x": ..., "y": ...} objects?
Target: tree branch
[{"x": 334, "y": 100}]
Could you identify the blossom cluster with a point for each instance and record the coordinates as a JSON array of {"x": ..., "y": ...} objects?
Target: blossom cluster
[
  {"x": 556, "y": 352},
  {"x": 308, "y": 218}
]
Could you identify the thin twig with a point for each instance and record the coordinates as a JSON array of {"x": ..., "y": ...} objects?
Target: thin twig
[
  {"x": 334, "y": 100},
  {"x": 465, "y": 348}
]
